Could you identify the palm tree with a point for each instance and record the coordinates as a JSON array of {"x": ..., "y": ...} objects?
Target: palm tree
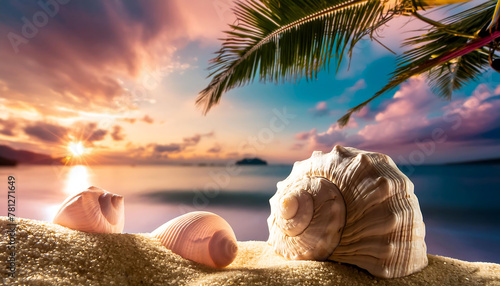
[{"x": 285, "y": 40}]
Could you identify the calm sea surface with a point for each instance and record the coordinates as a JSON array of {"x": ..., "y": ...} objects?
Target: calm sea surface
[{"x": 460, "y": 203}]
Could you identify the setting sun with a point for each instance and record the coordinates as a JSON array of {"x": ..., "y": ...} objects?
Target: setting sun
[{"x": 76, "y": 148}]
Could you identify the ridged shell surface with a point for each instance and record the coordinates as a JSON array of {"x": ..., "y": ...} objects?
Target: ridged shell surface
[
  {"x": 203, "y": 237},
  {"x": 93, "y": 210},
  {"x": 382, "y": 231},
  {"x": 307, "y": 218}
]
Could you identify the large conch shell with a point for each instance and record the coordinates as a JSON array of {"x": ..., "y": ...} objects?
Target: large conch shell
[
  {"x": 93, "y": 210},
  {"x": 349, "y": 206},
  {"x": 203, "y": 237}
]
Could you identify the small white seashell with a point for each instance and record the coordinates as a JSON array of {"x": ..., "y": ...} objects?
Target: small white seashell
[
  {"x": 93, "y": 210},
  {"x": 203, "y": 237},
  {"x": 350, "y": 206}
]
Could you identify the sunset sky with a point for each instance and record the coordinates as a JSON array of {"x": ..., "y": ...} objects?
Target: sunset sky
[{"x": 122, "y": 78}]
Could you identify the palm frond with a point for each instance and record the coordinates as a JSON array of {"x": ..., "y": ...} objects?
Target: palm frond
[
  {"x": 496, "y": 16},
  {"x": 447, "y": 55},
  {"x": 453, "y": 75},
  {"x": 287, "y": 40}
]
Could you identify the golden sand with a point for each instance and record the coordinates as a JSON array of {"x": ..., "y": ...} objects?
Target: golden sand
[{"x": 48, "y": 254}]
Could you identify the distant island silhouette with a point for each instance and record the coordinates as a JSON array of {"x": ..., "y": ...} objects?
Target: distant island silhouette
[
  {"x": 251, "y": 161},
  {"x": 493, "y": 161}
]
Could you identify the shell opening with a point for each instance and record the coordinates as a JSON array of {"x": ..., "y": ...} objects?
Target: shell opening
[
  {"x": 203, "y": 237},
  {"x": 222, "y": 248},
  {"x": 117, "y": 200},
  {"x": 110, "y": 204}
]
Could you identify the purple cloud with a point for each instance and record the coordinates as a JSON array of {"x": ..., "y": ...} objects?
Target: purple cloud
[
  {"x": 117, "y": 134},
  {"x": 7, "y": 127},
  {"x": 195, "y": 139},
  {"x": 46, "y": 132},
  {"x": 168, "y": 148},
  {"x": 97, "y": 135},
  {"x": 79, "y": 53},
  {"x": 215, "y": 149},
  {"x": 399, "y": 124},
  {"x": 177, "y": 147},
  {"x": 148, "y": 119}
]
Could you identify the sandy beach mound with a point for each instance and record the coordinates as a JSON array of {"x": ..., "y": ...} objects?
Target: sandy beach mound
[{"x": 48, "y": 254}]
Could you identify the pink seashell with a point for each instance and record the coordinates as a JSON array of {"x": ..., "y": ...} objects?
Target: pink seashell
[
  {"x": 203, "y": 237},
  {"x": 93, "y": 210}
]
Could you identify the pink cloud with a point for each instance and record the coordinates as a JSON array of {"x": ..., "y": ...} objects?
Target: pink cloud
[
  {"x": 8, "y": 127},
  {"x": 129, "y": 120},
  {"x": 191, "y": 141},
  {"x": 117, "y": 133},
  {"x": 168, "y": 148},
  {"x": 47, "y": 132},
  {"x": 305, "y": 135},
  {"x": 297, "y": 146},
  {"x": 195, "y": 139},
  {"x": 398, "y": 124},
  {"x": 147, "y": 119},
  {"x": 497, "y": 90},
  {"x": 81, "y": 57},
  {"x": 321, "y": 109},
  {"x": 54, "y": 133},
  {"x": 469, "y": 116},
  {"x": 326, "y": 140},
  {"x": 321, "y": 106},
  {"x": 363, "y": 113},
  {"x": 407, "y": 111},
  {"x": 359, "y": 85},
  {"x": 205, "y": 20},
  {"x": 215, "y": 149}
]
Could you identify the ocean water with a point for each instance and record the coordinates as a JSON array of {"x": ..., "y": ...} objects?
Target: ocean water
[{"x": 460, "y": 203}]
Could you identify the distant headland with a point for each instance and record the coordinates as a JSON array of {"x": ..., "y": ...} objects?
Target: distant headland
[
  {"x": 7, "y": 162},
  {"x": 11, "y": 157},
  {"x": 251, "y": 161}
]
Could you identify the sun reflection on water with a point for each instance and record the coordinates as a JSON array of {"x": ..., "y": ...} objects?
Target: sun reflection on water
[{"x": 77, "y": 180}]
